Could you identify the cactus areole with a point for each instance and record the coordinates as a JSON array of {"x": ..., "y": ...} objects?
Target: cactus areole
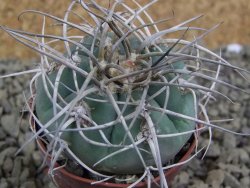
[{"x": 115, "y": 104}]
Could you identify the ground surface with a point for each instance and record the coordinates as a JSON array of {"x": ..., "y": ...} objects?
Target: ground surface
[{"x": 235, "y": 14}]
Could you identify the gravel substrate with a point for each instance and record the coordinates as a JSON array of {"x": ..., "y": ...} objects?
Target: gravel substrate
[
  {"x": 227, "y": 163},
  {"x": 17, "y": 171}
]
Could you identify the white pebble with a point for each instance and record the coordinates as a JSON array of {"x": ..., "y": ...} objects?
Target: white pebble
[{"x": 234, "y": 48}]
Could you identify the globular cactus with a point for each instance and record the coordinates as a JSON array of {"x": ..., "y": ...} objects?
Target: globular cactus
[
  {"x": 126, "y": 114},
  {"x": 123, "y": 99}
]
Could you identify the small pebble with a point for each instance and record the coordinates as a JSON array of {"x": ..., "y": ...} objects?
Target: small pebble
[
  {"x": 8, "y": 152},
  {"x": 244, "y": 156},
  {"x": 7, "y": 108},
  {"x": 3, "y": 135},
  {"x": 3, "y": 183},
  {"x": 8, "y": 165},
  {"x": 234, "y": 48},
  {"x": 229, "y": 141},
  {"x": 245, "y": 182},
  {"x": 231, "y": 181},
  {"x": 183, "y": 178},
  {"x": 10, "y": 125},
  {"x": 13, "y": 181},
  {"x": 24, "y": 175},
  {"x": 213, "y": 151},
  {"x": 17, "y": 167},
  {"x": 215, "y": 177},
  {"x": 37, "y": 158}
]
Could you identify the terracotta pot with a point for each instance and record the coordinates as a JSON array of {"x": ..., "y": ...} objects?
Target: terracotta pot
[{"x": 65, "y": 179}]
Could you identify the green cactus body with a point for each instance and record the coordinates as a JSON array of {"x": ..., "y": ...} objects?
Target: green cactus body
[{"x": 126, "y": 162}]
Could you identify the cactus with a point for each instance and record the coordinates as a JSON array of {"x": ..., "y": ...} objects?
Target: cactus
[
  {"x": 132, "y": 97},
  {"x": 122, "y": 99}
]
